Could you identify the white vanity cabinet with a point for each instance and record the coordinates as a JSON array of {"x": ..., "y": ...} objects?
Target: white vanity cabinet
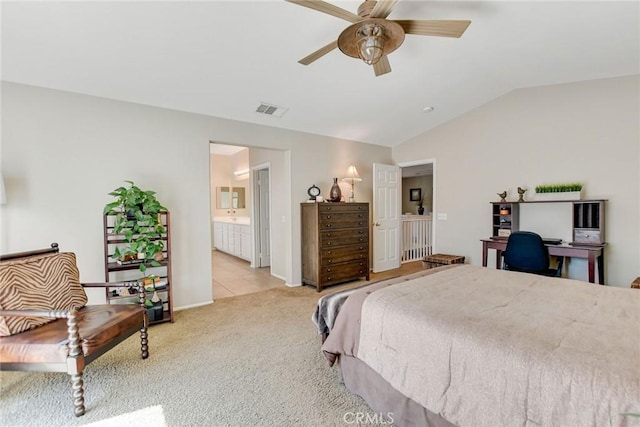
[{"x": 233, "y": 237}]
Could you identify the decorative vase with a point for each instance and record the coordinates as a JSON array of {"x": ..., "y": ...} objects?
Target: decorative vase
[
  {"x": 335, "y": 195},
  {"x": 420, "y": 210}
]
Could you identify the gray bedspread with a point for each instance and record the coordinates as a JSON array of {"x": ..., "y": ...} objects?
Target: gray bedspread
[
  {"x": 485, "y": 347},
  {"x": 329, "y": 306}
]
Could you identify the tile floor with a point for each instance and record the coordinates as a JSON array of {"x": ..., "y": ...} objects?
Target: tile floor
[{"x": 233, "y": 276}]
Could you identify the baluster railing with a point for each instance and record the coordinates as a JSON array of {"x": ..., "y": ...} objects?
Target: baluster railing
[{"x": 416, "y": 237}]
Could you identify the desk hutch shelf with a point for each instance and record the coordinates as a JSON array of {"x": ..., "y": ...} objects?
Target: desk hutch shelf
[{"x": 588, "y": 220}]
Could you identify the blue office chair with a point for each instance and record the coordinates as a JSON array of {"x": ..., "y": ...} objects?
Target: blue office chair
[{"x": 527, "y": 253}]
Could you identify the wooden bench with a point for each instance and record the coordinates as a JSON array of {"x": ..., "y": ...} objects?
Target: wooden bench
[{"x": 44, "y": 331}]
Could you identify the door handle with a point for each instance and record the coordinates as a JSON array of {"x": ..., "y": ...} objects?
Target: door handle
[{"x": 376, "y": 224}]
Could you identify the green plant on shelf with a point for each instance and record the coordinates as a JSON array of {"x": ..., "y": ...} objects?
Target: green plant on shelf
[
  {"x": 137, "y": 219},
  {"x": 558, "y": 188}
]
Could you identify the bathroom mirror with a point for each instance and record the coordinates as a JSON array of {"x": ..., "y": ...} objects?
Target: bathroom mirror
[{"x": 230, "y": 199}]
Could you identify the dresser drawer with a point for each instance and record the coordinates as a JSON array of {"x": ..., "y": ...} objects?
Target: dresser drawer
[
  {"x": 343, "y": 254},
  {"x": 342, "y": 272},
  {"x": 346, "y": 220},
  {"x": 342, "y": 239},
  {"x": 343, "y": 207}
]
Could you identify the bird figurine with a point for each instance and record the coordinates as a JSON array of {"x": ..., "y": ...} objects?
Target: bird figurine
[
  {"x": 521, "y": 192},
  {"x": 503, "y": 196}
]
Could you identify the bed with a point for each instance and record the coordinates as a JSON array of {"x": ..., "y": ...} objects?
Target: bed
[{"x": 465, "y": 345}]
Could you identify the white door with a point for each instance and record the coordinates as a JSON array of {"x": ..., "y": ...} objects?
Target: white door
[
  {"x": 387, "y": 180},
  {"x": 264, "y": 220}
]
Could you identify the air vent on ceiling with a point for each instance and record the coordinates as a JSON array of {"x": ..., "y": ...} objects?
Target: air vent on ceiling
[{"x": 270, "y": 110}]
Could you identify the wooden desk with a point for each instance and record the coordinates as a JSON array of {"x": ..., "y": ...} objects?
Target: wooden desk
[{"x": 591, "y": 253}]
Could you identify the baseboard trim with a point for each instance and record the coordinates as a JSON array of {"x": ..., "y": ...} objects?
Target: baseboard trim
[{"x": 185, "y": 307}]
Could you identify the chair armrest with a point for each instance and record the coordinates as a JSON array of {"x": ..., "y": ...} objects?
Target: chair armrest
[
  {"x": 58, "y": 314},
  {"x": 108, "y": 284},
  {"x": 139, "y": 285}
]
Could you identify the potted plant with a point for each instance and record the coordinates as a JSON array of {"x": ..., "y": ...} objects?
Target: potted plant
[
  {"x": 137, "y": 218},
  {"x": 571, "y": 191},
  {"x": 420, "y": 206}
]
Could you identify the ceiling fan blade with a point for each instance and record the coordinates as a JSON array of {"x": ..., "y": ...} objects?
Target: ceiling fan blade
[
  {"x": 327, "y": 8},
  {"x": 383, "y": 8},
  {"x": 434, "y": 27},
  {"x": 319, "y": 53},
  {"x": 382, "y": 66}
]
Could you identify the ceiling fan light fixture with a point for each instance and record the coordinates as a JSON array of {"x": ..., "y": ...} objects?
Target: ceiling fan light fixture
[{"x": 370, "y": 41}]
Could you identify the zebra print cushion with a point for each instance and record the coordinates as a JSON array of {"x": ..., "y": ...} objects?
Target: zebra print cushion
[{"x": 46, "y": 282}]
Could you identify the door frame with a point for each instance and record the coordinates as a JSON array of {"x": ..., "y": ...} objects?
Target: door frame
[
  {"x": 255, "y": 213},
  {"x": 434, "y": 201}
]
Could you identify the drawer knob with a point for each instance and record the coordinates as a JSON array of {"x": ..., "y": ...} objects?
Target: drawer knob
[
  {"x": 328, "y": 278},
  {"x": 328, "y": 216},
  {"x": 361, "y": 247},
  {"x": 361, "y": 232},
  {"x": 360, "y": 223},
  {"x": 328, "y": 225},
  {"x": 329, "y": 261},
  {"x": 328, "y": 243},
  {"x": 328, "y": 270}
]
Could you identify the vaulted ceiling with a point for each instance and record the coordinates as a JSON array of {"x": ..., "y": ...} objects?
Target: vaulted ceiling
[{"x": 224, "y": 58}]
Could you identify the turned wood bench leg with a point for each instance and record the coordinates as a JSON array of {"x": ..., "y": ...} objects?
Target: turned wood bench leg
[
  {"x": 75, "y": 364},
  {"x": 144, "y": 342},
  {"x": 77, "y": 387}
]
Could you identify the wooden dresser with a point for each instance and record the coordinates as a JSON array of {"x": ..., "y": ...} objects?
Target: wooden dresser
[{"x": 335, "y": 243}]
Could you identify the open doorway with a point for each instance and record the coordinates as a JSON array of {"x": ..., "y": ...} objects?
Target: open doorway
[
  {"x": 241, "y": 221},
  {"x": 418, "y": 203}
]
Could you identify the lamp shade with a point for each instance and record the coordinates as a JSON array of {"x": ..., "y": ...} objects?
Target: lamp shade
[{"x": 352, "y": 174}]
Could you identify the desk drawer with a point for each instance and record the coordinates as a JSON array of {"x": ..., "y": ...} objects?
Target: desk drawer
[{"x": 587, "y": 236}]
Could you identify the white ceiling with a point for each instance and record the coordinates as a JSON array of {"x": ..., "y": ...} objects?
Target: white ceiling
[{"x": 222, "y": 58}]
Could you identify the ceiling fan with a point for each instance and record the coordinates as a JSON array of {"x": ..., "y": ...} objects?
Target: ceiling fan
[{"x": 372, "y": 37}]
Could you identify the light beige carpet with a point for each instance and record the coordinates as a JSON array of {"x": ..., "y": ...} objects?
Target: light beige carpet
[
  {"x": 152, "y": 416},
  {"x": 251, "y": 360}
]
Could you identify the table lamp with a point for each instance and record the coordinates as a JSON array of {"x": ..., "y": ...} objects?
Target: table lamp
[{"x": 352, "y": 177}]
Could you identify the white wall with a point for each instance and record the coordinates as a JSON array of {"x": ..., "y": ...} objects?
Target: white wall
[
  {"x": 279, "y": 200},
  {"x": 63, "y": 152},
  {"x": 425, "y": 183},
  {"x": 585, "y": 132}
]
